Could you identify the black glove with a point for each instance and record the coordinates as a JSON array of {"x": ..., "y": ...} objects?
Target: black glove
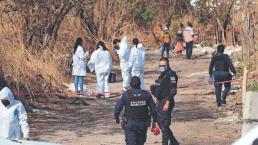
[{"x": 152, "y": 88}]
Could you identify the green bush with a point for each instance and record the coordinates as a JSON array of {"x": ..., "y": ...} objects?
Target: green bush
[
  {"x": 253, "y": 87},
  {"x": 149, "y": 14}
]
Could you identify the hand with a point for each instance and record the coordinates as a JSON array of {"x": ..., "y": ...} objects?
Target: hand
[
  {"x": 117, "y": 121},
  {"x": 155, "y": 125},
  {"x": 166, "y": 106},
  {"x": 155, "y": 100}
]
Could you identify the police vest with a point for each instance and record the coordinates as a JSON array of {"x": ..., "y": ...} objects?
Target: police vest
[
  {"x": 219, "y": 63},
  {"x": 136, "y": 106}
]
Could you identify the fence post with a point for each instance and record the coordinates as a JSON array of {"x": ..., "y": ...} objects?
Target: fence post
[{"x": 244, "y": 82}]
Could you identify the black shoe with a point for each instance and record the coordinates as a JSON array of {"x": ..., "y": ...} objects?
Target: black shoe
[
  {"x": 174, "y": 143},
  {"x": 224, "y": 102},
  {"x": 219, "y": 104},
  {"x": 98, "y": 96}
]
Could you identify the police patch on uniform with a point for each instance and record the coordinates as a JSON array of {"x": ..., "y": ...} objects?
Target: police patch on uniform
[
  {"x": 137, "y": 103},
  {"x": 173, "y": 79}
]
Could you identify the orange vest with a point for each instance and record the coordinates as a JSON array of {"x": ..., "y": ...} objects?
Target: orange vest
[{"x": 166, "y": 38}]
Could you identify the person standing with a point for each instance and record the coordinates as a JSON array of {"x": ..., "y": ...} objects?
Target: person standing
[
  {"x": 164, "y": 90},
  {"x": 136, "y": 61},
  {"x": 102, "y": 62},
  {"x": 188, "y": 36},
  {"x": 138, "y": 106},
  {"x": 123, "y": 50},
  {"x": 79, "y": 65},
  {"x": 223, "y": 66},
  {"x": 180, "y": 40},
  {"x": 13, "y": 117},
  {"x": 166, "y": 41}
]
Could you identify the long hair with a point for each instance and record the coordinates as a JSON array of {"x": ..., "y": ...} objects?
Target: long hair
[
  {"x": 190, "y": 24},
  {"x": 135, "y": 42},
  {"x": 101, "y": 43},
  {"x": 77, "y": 43}
]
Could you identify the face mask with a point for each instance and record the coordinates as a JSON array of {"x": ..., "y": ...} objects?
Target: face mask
[
  {"x": 116, "y": 47},
  {"x": 162, "y": 68},
  {"x": 5, "y": 103}
]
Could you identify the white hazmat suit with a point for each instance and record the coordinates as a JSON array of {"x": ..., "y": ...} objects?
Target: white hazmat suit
[
  {"x": 13, "y": 118},
  {"x": 248, "y": 138},
  {"x": 136, "y": 62},
  {"x": 124, "y": 54},
  {"x": 102, "y": 62}
]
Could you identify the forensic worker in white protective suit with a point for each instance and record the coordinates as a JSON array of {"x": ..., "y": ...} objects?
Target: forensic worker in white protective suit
[
  {"x": 101, "y": 60},
  {"x": 13, "y": 117},
  {"x": 123, "y": 50},
  {"x": 136, "y": 61}
]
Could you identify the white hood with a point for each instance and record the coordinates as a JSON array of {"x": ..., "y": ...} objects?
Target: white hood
[
  {"x": 6, "y": 94},
  {"x": 124, "y": 43},
  {"x": 124, "y": 51}
]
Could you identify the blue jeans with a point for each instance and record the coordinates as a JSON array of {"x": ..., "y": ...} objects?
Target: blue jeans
[
  {"x": 78, "y": 80},
  {"x": 220, "y": 76},
  {"x": 166, "y": 47},
  {"x": 189, "y": 49}
]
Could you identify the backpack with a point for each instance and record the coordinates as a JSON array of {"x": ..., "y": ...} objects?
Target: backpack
[{"x": 179, "y": 37}]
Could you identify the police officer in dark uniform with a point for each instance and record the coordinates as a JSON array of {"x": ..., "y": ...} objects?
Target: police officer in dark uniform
[
  {"x": 223, "y": 66},
  {"x": 164, "y": 90},
  {"x": 139, "y": 106}
]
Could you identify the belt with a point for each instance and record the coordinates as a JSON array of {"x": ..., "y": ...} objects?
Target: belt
[{"x": 137, "y": 119}]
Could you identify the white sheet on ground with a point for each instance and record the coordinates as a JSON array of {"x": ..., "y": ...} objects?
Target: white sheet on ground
[{"x": 9, "y": 142}]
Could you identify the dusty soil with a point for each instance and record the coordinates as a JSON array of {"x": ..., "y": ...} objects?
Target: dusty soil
[{"x": 89, "y": 121}]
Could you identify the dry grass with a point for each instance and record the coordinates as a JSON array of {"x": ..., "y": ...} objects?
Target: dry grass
[{"x": 22, "y": 68}]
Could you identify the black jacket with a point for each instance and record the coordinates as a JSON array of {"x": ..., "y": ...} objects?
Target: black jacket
[
  {"x": 166, "y": 86},
  {"x": 221, "y": 62}
]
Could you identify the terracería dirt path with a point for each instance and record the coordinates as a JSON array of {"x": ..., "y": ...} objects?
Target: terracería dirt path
[{"x": 88, "y": 121}]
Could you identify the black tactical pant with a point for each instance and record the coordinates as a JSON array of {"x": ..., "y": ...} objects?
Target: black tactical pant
[
  {"x": 135, "y": 132},
  {"x": 164, "y": 121}
]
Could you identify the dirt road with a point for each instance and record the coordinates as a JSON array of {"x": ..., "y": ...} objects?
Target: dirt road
[{"x": 88, "y": 121}]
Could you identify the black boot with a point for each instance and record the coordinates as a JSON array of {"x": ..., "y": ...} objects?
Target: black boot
[
  {"x": 98, "y": 96},
  {"x": 224, "y": 102}
]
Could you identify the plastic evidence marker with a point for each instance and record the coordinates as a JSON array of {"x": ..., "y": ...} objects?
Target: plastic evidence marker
[{"x": 23, "y": 142}]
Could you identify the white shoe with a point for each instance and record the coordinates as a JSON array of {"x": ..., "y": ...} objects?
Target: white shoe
[{"x": 219, "y": 108}]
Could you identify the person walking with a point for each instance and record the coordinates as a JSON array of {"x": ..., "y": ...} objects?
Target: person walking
[
  {"x": 139, "y": 105},
  {"x": 101, "y": 60},
  {"x": 136, "y": 61},
  {"x": 166, "y": 41},
  {"x": 223, "y": 66},
  {"x": 123, "y": 50},
  {"x": 180, "y": 41},
  {"x": 188, "y": 37},
  {"x": 164, "y": 90},
  {"x": 79, "y": 65}
]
